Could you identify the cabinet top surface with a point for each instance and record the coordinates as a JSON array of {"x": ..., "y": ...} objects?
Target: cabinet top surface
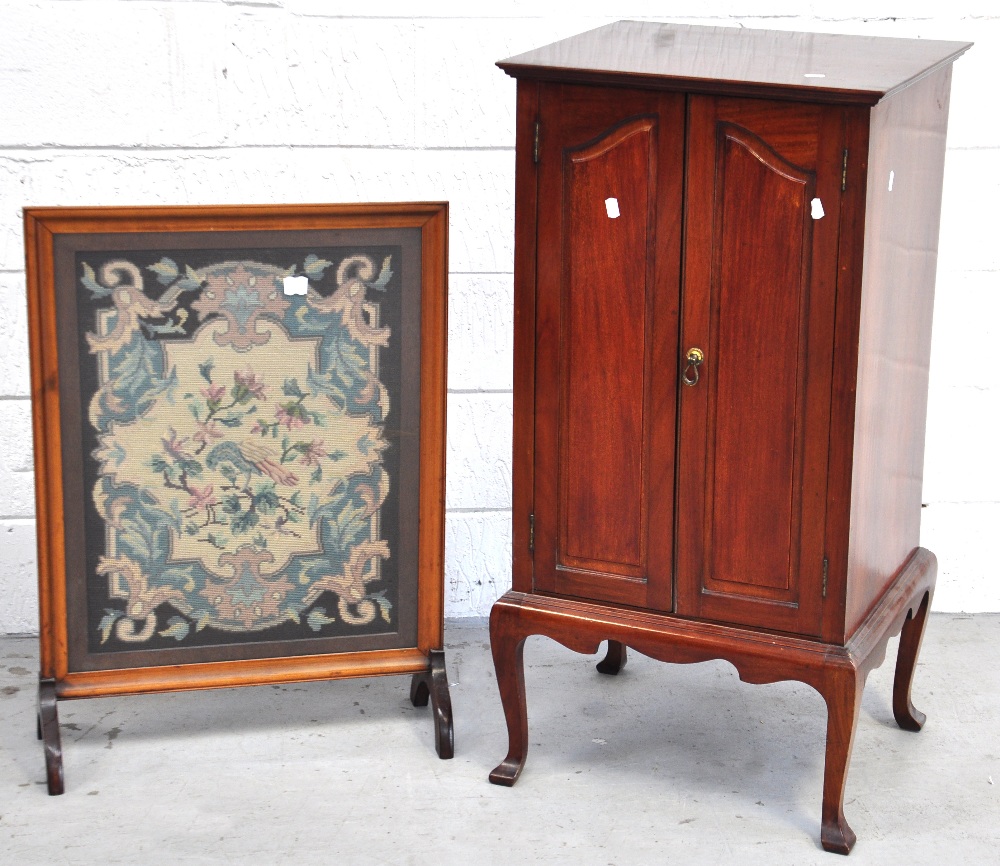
[{"x": 806, "y": 66}]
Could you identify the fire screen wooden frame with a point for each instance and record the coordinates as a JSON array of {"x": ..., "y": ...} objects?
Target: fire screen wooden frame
[{"x": 239, "y": 428}]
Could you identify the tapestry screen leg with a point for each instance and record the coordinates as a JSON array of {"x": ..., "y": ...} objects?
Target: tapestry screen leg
[
  {"x": 48, "y": 733},
  {"x": 433, "y": 684}
]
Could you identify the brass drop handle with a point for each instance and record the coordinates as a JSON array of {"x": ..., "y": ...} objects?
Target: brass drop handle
[{"x": 695, "y": 358}]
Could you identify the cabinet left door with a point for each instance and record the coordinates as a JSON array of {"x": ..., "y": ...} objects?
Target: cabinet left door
[{"x": 610, "y": 175}]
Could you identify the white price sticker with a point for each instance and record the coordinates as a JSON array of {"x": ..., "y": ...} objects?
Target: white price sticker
[{"x": 295, "y": 285}]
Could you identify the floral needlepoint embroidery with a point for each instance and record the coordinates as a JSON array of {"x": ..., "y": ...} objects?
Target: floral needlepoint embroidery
[{"x": 240, "y": 447}]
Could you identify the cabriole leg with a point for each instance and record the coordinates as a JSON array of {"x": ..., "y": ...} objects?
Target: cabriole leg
[
  {"x": 616, "y": 658},
  {"x": 907, "y": 716},
  {"x": 508, "y": 660},
  {"x": 843, "y": 701}
]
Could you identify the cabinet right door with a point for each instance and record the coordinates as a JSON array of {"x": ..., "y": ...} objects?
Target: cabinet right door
[{"x": 763, "y": 190}]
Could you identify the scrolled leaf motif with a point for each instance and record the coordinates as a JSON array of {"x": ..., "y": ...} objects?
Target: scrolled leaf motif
[
  {"x": 166, "y": 271},
  {"x": 315, "y": 266},
  {"x": 177, "y": 628}
]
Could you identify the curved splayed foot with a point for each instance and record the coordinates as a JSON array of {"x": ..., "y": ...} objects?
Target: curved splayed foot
[{"x": 432, "y": 685}]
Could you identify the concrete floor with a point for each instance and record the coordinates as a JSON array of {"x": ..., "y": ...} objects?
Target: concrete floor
[{"x": 663, "y": 764}]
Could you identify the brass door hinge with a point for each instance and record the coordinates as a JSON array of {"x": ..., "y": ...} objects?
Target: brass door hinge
[
  {"x": 531, "y": 532},
  {"x": 826, "y": 569},
  {"x": 843, "y": 175},
  {"x": 538, "y": 133}
]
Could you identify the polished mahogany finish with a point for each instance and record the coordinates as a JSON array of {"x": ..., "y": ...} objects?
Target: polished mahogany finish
[
  {"x": 811, "y": 67},
  {"x": 722, "y": 308},
  {"x": 896, "y": 278}
]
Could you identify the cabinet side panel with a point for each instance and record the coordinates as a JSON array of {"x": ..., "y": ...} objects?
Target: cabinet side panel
[
  {"x": 905, "y": 169},
  {"x": 603, "y": 348}
]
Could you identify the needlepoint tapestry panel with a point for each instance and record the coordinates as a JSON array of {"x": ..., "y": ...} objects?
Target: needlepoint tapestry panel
[{"x": 243, "y": 428}]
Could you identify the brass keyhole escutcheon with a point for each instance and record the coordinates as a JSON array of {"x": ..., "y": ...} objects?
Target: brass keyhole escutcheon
[{"x": 695, "y": 358}]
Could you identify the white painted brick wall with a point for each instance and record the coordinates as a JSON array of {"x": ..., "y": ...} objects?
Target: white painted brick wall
[
  {"x": 17, "y": 576},
  {"x": 202, "y": 101},
  {"x": 16, "y": 475}
]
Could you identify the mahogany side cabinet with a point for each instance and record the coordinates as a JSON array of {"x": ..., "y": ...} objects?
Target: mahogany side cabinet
[{"x": 725, "y": 251}]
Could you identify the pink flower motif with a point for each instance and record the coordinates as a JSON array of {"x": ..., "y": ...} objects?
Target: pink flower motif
[
  {"x": 213, "y": 393},
  {"x": 288, "y": 417},
  {"x": 313, "y": 453},
  {"x": 174, "y": 446},
  {"x": 201, "y": 498},
  {"x": 249, "y": 380},
  {"x": 204, "y": 432},
  {"x": 257, "y": 428}
]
